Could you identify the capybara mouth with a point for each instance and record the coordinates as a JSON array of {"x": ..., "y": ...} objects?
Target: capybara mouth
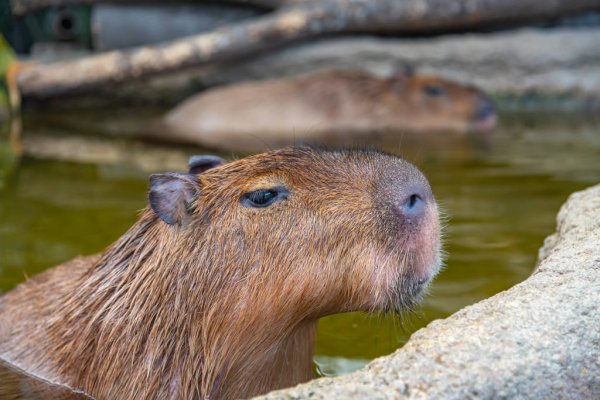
[
  {"x": 421, "y": 268},
  {"x": 411, "y": 289},
  {"x": 408, "y": 293}
]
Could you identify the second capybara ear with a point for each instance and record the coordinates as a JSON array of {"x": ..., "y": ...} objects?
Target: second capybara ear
[
  {"x": 171, "y": 196},
  {"x": 402, "y": 74},
  {"x": 201, "y": 163},
  {"x": 404, "y": 70}
]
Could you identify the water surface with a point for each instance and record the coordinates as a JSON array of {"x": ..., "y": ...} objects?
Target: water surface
[{"x": 500, "y": 195}]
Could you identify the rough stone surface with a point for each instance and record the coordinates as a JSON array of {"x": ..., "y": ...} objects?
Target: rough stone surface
[
  {"x": 502, "y": 62},
  {"x": 537, "y": 340},
  {"x": 537, "y": 68},
  {"x": 522, "y": 63}
]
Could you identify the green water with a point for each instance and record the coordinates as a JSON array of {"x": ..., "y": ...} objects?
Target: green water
[{"x": 500, "y": 195}]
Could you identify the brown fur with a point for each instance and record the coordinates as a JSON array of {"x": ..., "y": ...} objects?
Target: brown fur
[
  {"x": 225, "y": 305},
  {"x": 330, "y": 107}
]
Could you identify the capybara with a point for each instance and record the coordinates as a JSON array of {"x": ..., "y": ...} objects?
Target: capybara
[
  {"x": 216, "y": 291},
  {"x": 327, "y": 107}
]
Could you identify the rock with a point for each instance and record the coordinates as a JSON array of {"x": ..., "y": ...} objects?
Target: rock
[
  {"x": 507, "y": 63},
  {"x": 520, "y": 68},
  {"x": 537, "y": 340}
]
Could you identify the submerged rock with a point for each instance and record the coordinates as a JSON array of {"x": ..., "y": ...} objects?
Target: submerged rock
[{"x": 537, "y": 340}]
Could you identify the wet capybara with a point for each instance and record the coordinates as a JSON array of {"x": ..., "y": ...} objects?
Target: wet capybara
[
  {"x": 216, "y": 291},
  {"x": 332, "y": 107}
]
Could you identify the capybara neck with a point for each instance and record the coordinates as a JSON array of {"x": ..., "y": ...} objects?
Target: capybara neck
[{"x": 181, "y": 328}]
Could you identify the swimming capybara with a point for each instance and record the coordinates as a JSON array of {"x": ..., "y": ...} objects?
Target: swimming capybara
[
  {"x": 216, "y": 291},
  {"x": 332, "y": 107}
]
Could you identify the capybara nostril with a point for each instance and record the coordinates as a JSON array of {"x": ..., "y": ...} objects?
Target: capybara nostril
[
  {"x": 413, "y": 206},
  {"x": 485, "y": 109},
  {"x": 412, "y": 203}
]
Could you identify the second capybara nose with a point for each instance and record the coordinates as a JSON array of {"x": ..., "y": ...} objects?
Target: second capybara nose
[{"x": 485, "y": 109}]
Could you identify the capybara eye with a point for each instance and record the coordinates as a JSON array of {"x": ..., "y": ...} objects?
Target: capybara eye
[
  {"x": 264, "y": 197},
  {"x": 433, "y": 90}
]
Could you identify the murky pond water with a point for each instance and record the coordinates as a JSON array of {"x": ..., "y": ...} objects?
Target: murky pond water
[{"x": 500, "y": 194}]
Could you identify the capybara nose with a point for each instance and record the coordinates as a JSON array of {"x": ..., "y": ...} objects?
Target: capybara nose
[
  {"x": 412, "y": 202},
  {"x": 413, "y": 206},
  {"x": 485, "y": 109}
]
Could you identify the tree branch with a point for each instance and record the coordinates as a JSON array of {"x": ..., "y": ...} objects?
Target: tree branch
[
  {"x": 23, "y": 7},
  {"x": 292, "y": 23}
]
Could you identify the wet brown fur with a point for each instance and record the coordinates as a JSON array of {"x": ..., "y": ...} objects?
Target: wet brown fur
[
  {"x": 225, "y": 304},
  {"x": 330, "y": 107}
]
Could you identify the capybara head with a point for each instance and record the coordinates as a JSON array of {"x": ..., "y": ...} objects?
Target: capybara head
[
  {"x": 328, "y": 231},
  {"x": 216, "y": 290},
  {"x": 437, "y": 104},
  {"x": 289, "y": 236}
]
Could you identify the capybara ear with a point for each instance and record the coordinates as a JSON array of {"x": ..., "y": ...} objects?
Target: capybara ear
[
  {"x": 171, "y": 196},
  {"x": 199, "y": 164},
  {"x": 400, "y": 78},
  {"x": 402, "y": 74},
  {"x": 404, "y": 70}
]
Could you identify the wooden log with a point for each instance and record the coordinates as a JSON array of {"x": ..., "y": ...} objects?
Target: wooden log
[
  {"x": 510, "y": 64},
  {"x": 298, "y": 22},
  {"x": 24, "y": 7}
]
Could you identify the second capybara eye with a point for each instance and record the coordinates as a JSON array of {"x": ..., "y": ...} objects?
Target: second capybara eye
[
  {"x": 434, "y": 90},
  {"x": 264, "y": 197}
]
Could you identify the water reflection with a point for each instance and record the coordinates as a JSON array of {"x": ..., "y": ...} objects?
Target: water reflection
[{"x": 500, "y": 194}]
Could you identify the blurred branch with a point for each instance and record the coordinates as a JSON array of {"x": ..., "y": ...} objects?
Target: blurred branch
[
  {"x": 306, "y": 20},
  {"x": 23, "y": 7}
]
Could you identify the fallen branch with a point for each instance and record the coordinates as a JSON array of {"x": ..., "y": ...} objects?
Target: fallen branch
[
  {"x": 296, "y": 22},
  {"x": 24, "y": 7}
]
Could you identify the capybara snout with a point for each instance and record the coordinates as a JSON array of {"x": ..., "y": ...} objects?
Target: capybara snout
[{"x": 216, "y": 291}]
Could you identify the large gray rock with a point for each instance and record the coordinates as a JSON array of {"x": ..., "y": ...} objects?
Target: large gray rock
[
  {"x": 536, "y": 68},
  {"x": 514, "y": 61},
  {"x": 537, "y": 340},
  {"x": 533, "y": 67}
]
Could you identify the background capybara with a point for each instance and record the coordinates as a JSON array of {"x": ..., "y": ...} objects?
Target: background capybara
[
  {"x": 332, "y": 106},
  {"x": 215, "y": 292}
]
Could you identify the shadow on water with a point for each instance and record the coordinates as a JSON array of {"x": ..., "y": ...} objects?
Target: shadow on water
[{"x": 499, "y": 193}]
